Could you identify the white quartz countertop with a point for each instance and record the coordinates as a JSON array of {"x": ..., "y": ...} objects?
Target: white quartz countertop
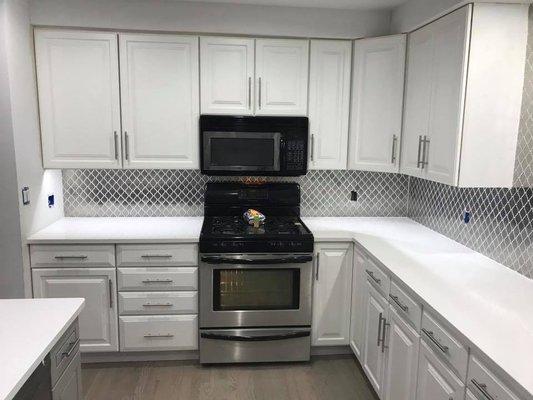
[
  {"x": 491, "y": 305},
  {"x": 121, "y": 230},
  {"x": 29, "y": 328}
]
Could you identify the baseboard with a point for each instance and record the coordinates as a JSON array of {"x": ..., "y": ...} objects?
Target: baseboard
[{"x": 89, "y": 358}]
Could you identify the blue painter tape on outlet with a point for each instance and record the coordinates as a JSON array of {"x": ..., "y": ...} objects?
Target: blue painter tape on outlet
[
  {"x": 51, "y": 201},
  {"x": 466, "y": 216}
]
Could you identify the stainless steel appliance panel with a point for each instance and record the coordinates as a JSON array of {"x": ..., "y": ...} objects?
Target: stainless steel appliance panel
[{"x": 255, "y": 345}]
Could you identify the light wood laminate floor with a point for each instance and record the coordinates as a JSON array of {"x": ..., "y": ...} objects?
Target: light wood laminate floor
[{"x": 328, "y": 378}]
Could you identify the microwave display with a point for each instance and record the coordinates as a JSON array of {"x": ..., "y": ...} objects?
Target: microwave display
[{"x": 253, "y": 145}]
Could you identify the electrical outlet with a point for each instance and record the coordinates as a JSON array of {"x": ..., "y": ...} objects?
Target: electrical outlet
[
  {"x": 51, "y": 201},
  {"x": 25, "y": 195},
  {"x": 353, "y": 195},
  {"x": 467, "y": 216}
]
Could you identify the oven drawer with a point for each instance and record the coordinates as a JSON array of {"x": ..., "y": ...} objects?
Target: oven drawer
[
  {"x": 72, "y": 255},
  {"x": 176, "y": 255},
  {"x": 254, "y": 345},
  {"x": 164, "y": 332},
  {"x": 151, "y": 303},
  {"x": 158, "y": 279}
]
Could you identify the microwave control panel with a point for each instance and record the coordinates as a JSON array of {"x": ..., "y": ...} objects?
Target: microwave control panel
[{"x": 295, "y": 155}]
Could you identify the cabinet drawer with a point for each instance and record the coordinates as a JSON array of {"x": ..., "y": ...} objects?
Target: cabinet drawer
[
  {"x": 411, "y": 309},
  {"x": 64, "y": 351},
  {"x": 445, "y": 344},
  {"x": 136, "y": 255},
  {"x": 164, "y": 332},
  {"x": 485, "y": 385},
  {"x": 135, "y": 303},
  {"x": 54, "y": 256},
  {"x": 158, "y": 278},
  {"x": 377, "y": 276}
]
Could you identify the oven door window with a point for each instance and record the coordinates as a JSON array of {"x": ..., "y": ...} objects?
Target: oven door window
[
  {"x": 256, "y": 289},
  {"x": 242, "y": 151}
]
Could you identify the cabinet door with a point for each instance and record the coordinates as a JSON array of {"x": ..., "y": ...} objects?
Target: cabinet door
[
  {"x": 377, "y": 103},
  {"x": 417, "y": 100},
  {"x": 435, "y": 380},
  {"x": 332, "y": 290},
  {"x": 402, "y": 359},
  {"x": 68, "y": 387},
  {"x": 329, "y": 103},
  {"x": 227, "y": 75},
  {"x": 98, "y": 320},
  {"x": 159, "y": 87},
  {"x": 282, "y": 76},
  {"x": 373, "y": 353},
  {"x": 450, "y": 38},
  {"x": 77, "y": 76},
  {"x": 357, "y": 319}
]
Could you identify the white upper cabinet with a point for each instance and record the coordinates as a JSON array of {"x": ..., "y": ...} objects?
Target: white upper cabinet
[
  {"x": 281, "y": 76},
  {"x": 227, "y": 75},
  {"x": 462, "y": 106},
  {"x": 329, "y": 103},
  {"x": 78, "y": 98},
  {"x": 377, "y": 102},
  {"x": 159, "y": 92},
  {"x": 331, "y": 294}
]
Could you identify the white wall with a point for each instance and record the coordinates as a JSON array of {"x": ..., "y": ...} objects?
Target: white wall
[
  {"x": 415, "y": 13},
  {"x": 170, "y": 15},
  {"x": 11, "y": 283},
  {"x": 25, "y": 121}
]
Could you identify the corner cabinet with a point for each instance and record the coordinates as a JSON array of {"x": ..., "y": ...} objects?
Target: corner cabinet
[
  {"x": 462, "y": 104},
  {"x": 79, "y": 99},
  {"x": 332, "y": 287},
  {"x": 377, "y": 104},
  {"x": 160, "y": 95},
  {"x": 329, "y": 103}
]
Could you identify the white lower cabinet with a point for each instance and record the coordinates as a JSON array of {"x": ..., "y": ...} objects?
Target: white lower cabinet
[
  {"x": 374, "y": 351},
  {"x": 435, "y": 380},
  {"x": 98, "y": 320},
  {"x": 162, "y": 332},
  {"x": 357, "y": 317},
  {"x": 332, "y": 287},
  {"x": 402, "y": 359},
  {"x": 68, "y": 387}
]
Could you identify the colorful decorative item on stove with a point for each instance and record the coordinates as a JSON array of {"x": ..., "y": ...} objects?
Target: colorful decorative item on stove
[{"x": 254, "y": 217}]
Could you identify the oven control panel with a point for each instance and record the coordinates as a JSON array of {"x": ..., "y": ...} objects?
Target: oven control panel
[{"x": 256, "y": 246}]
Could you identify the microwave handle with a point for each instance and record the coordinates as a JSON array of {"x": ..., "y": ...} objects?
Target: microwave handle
[{"x": 262, "y": 261}]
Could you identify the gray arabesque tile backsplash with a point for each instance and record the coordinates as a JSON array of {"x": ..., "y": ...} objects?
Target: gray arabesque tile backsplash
[{"x": 502, "y": 219}]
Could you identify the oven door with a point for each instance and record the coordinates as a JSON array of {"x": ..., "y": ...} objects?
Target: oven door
[
  {"x": 255, "y": 290},
  {"x": 240, "y": 152}
]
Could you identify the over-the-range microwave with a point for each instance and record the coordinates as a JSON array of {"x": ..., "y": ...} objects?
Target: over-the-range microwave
[{"x": 256, "y": 146}]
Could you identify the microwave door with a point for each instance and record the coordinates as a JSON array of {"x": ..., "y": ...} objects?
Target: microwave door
[{"x": 242, "y": 151}]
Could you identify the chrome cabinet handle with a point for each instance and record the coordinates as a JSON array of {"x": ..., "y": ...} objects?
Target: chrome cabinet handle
[
  {"x": 425, "y": 152},
  {"x": 431, "y": 336},
  {"x": 157, "y": 305},
  {"x": 394, "y": 141},
  {"x": 71, "y": 347},
  {"x": 126, "y": 145},
  {"x": 156, "y": 256},
  {"x": 371, "y": 274},
  {"x": 317, "y": 265},
  {"x": 398, "y": 302},
  {"x": 383, "y": 333},
  {"x": 157, "y": 281},
  {"x": 71, "y": 257},
  {"x": 115, "y": 138},
  {"x": 164, "y": 335},
  {"x": 259, "y": 94},
  {"x": 312, "y": 152},
  {"x": 110, "y": 293},
  {"x": 249, "y": 93},
  {"x": 482, "y": 388},
  {"x": 380, "y": 321},
  {"x": 418, "y": 162}
]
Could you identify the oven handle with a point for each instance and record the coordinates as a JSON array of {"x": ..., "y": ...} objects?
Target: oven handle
[
  {"x": 249, "y": 261},
  {"x": 237, "y": 338}
]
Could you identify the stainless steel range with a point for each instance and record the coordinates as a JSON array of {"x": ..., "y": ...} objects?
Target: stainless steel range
[{"x": 255, "y": 282}]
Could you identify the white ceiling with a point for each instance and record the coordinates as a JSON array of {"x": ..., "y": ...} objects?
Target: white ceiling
[{"x": 338, "y": 4}]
